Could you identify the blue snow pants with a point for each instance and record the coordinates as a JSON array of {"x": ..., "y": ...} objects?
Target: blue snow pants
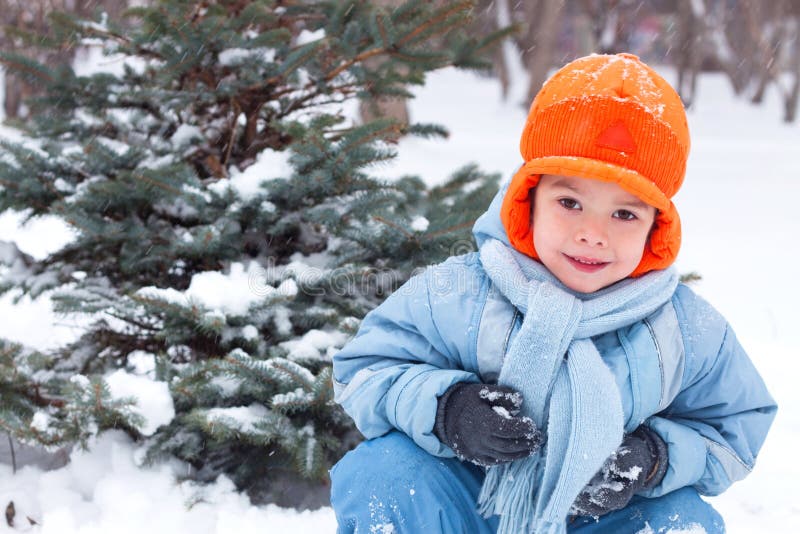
[{"x": 389, "y": 484}]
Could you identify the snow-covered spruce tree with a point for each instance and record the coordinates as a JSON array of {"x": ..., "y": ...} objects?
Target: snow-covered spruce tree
[{"x": 228, "y": 234}]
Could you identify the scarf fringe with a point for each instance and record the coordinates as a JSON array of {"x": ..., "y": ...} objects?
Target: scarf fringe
[{"x": 509, "y": 491}]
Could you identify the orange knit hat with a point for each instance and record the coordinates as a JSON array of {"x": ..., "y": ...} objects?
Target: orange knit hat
[{"x": 610, "y": 118}]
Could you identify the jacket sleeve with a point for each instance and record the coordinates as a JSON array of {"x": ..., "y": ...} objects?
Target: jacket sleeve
[
  {"x": 719, "y": 420},
  {"x": 407, "y": 352}
]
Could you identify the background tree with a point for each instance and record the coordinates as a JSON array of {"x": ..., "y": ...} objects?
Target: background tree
[
  {"x": 753, "y": 43},
  {"x": 774, "y": 31},
  {"x": 229, "y": 236},
  {"x": 20, "y": 16}
]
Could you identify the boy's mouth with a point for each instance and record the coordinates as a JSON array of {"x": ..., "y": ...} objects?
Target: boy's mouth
[{"x": 586, "y": 265}]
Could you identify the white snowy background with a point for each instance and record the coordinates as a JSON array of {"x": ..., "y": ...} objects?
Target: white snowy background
[{"x": 741, "y": 226}]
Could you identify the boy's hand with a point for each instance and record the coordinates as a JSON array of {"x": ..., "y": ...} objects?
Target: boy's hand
[
  {"x": 480, "y": 423},
  {"x": 638, "y": 464}
]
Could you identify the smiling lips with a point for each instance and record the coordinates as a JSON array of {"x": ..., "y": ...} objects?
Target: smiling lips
[{"x": 586, "y": 265}]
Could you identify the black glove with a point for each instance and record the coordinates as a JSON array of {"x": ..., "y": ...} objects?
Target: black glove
[
  {"x": 638, "y": 464},
  {"x": 480, "y": 423}
]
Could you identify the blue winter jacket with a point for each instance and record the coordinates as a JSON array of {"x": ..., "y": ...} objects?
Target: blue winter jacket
[{"x": 680, "y": 371}]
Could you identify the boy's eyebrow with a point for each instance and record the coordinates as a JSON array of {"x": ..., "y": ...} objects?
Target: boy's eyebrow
[
  {"x": 629, "y": 202},
  {"x": 561, "y": 182},
  {"x": 636, "y": 203}
]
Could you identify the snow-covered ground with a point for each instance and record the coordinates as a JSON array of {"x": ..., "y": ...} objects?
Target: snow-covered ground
[{"x": 740, "y": 220}]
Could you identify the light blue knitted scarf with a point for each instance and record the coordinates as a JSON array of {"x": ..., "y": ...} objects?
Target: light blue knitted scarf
[{"x": 569, "y": 392}]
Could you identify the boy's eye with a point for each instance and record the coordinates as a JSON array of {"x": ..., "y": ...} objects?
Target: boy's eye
[
  {"x": 625, "y": 215},
  {"x": 569, "y": 203}
]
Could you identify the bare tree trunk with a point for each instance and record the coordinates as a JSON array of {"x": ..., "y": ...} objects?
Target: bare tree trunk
[
  {"x": 15, "y": 93},
  {"x": 792, "y": 96},
  {"x": 393, "y": 107},
  {"x": 601, "y": 17},
  {"x": 501, "y": 14},
  {"x": 766, "y": 31},
  {"x": 764, "y": 78},
  {"x": 546, "y": 27},
  {"x": 713, "y": 23},
  {"x": 501, "y": 70},
  {"x": 743, "y": 43},
  {"x": 586, "y": 43},
  {"x": 690, "y": 52}
]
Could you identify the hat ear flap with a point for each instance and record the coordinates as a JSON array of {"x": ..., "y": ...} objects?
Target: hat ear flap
[
  {"x": 664, "y": 242},
  {"x": 515, "y": 212}
]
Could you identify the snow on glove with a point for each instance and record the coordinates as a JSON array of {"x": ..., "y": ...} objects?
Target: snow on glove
[
  {"x": 480, "y": 423},
  {"x": 638, "y": 464}
]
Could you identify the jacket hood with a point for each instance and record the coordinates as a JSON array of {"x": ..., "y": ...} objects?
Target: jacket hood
[{"x": 489, "y": 225}]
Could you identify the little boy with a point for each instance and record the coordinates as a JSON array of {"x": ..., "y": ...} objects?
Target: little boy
[{"x": 560, "y": 379}]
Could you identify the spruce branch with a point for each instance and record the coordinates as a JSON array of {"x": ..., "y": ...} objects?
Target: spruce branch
[
  {"x": 32, "y": 70},
  {"x": 449, "y": 230},
  {"x": 397, "y": 227}
]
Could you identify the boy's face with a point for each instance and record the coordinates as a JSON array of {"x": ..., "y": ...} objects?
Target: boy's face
[{"x": 588, "y": 233}]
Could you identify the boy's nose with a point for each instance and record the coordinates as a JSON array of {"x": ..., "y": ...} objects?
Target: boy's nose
[{"x": 592, "y": 235}]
